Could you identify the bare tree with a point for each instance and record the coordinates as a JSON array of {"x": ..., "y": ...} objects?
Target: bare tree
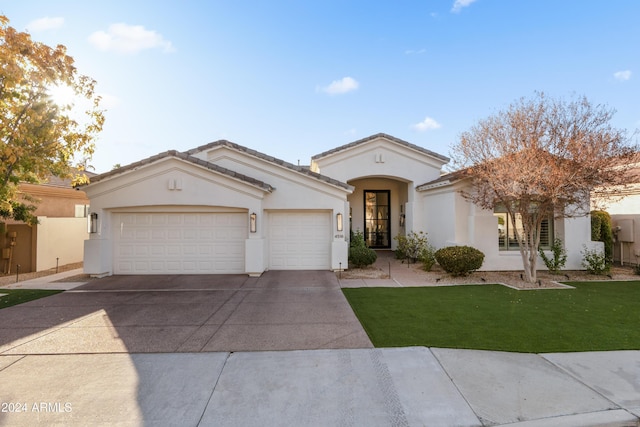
[{"x": 542, "y": 158}]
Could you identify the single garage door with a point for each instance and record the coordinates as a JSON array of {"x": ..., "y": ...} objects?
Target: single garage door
[
  {"x": 179, "y": 243},
  {"x": 300, "y": 240}
]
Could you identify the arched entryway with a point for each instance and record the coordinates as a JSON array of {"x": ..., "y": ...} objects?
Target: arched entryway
[{"x": 378, "y": 209}]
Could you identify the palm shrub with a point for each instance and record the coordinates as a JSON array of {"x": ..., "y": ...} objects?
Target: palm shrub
[
  {"x": 559, "y": 258},
  {"x": 359, "y": 254},
  {"x": 459, "y": 260}
]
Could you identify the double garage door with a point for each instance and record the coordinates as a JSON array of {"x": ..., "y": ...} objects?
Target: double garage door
[
  {"x": 214, "y": 243},
  {"x": 179, "y": 243}
]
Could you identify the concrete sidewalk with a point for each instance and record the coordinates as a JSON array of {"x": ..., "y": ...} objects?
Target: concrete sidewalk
[
  {"x": 49, "y": 282},
  {"x": 413, "y": 386}
]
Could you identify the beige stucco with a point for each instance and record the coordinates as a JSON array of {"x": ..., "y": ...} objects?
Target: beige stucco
[{"x": 58, "y": 234}]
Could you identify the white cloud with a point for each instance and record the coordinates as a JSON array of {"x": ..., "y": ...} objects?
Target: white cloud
[
  {"x": 427, "y": 124},
  {"x": 415, "y": 52},
  {"x": 622, "y": 75},
  {"x": 45, "y": 23},
  {"x": 344, "y": 85},
  {"x": 459, "y": 4},
  {"x": 123, "y": 38}
]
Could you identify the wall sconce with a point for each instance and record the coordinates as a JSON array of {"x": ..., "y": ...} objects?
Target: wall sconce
[
  {"x": 93, "y": 222},
  {"x": 252, "y": 222},
  {"x": 339, "y": 221}
]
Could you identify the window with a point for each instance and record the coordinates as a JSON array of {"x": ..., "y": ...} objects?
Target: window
[
  {"x": 82, "y": 211},
  {"x": 506, "y": 235}
]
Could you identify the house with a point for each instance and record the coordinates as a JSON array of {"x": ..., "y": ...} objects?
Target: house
[
  {"x": 59, "y": 236},
  {"x": 625, "y": 220},
  {"x": 224, "y": 208}
]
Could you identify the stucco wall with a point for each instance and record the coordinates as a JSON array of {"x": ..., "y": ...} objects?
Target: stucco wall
[
  {"x": 452, "y": 220},
  {"x": 380, "y": 158},
  {"x": 438, "y": 219},
  {"x": 60, "y": 240},
  {"x": 55, "y": 202}
]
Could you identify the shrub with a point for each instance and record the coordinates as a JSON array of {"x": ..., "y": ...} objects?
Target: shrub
[
  {"x": 601, "y": 231},
  {"x": 428, "y": 258},
  {"x": 411, "y": 246},
  {"x": 459, "y": 260},
  {"x": 359, "y": 254},
  {"x": 559, "y": 259},
  {"x": 594, "y": 261}
]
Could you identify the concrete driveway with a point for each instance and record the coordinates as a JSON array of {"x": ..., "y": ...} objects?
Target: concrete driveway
[{"x": 281, "y": 310}]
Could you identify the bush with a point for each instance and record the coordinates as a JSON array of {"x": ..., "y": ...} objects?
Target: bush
[
  {"x": 459, "y": 260},
  {"x": 601, "y": 231},
  {"x": 595, "y": 262},
  {"x": 411, "y": 246},
  {"x": 428, "y": 258},
  {"x": 359, "y": 254},
  {"x": 559, "y": 259}
]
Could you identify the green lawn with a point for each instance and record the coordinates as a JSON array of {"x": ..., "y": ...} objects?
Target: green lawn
[
  {"x": 18, "y": 296},
  {"x": 594, "y": 316}
]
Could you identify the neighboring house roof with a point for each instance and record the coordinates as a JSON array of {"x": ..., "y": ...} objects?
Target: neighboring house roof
[
  {"x": 385, "y": 136},
  {"x": 300, "y": 169},
  {"x": 56, "y": 181},
  {"x": 188, "y": 158}
]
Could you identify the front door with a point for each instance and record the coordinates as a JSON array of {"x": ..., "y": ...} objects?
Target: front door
[{"x": 377, "y": 218}]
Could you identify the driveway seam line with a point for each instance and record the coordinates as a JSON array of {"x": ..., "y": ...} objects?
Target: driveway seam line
[
  {"x": 213, "y": 390},
  {"x": 580, "y": 381},
  {"x": 20, "y": 357}
]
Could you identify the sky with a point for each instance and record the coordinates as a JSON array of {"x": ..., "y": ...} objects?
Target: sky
[{"x": 292, "y": 79}]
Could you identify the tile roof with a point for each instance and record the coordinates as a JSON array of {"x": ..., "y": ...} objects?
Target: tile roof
[
  {"x": 445, "y": 179},
  {"x": 385, "y": 136},
  {"x": 300, "y": 169},
  {"x": 56, "y": 181},
  {"x": 189, "y": 158}
]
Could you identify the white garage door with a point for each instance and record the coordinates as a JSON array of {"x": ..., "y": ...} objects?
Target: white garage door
[
  {"x": 300, "y": 240},
  {"x": 179, "y": 243}
]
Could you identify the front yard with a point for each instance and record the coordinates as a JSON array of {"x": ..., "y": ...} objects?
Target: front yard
[
  {"x": 592, "y": 317},
  {"x": 9, "y": 297}
]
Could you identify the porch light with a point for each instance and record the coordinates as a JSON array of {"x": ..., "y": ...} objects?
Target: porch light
[
  {"x": 93, "y": 222},
  {"x": 252, "y": 222},
  {"x": 339, "y": 221}
]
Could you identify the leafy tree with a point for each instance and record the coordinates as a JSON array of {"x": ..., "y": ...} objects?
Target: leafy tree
[
  {"x": 38, "y": 137},
  {"x": 543, "y": 158}
]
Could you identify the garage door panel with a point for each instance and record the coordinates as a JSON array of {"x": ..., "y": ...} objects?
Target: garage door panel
[
  {"x": 196, "y": 243},
  {"x": 300, "y": 240}
]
